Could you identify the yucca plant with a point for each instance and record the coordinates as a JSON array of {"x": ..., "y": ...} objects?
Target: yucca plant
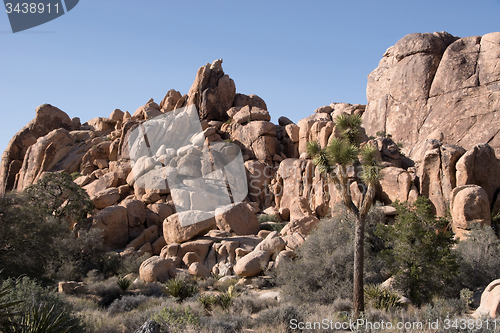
[
  {"x": 123, "y": 284},
  {"x": 180, "y": 288},
  {"x": 45, "y": 319},
  {"x": 7, "y": 312},
  {"x": 333, "y": 161},
  {"x": 382, "y": 299}
]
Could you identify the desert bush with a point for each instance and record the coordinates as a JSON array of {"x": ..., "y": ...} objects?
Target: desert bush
[
  {"x": 55, "y": 194},
  {"x": 272, "y": 226},
  {"x": 280, "y": 315},
  {"x": 223, "y": 323},
  {"x": 419, "y": 257},
  {"x": 7, "y": 313},
  {"x": 323, "y": 270},
  {"x": 342, "y": 305},
  {"x": 267, "y": 218},
  {"x": 478, "y": 258},
  {"x": 36, "y": 237},
  {"x": 26, "y": 238},
  {"x": 224, "y": 285},
  {"x": 248, "y": 305},
  {"x": 126, "y": 303},
  {"x": 177, "y": 319},
  {"x": 131, "y": 264},
  {"x": 107, "y": 290}
]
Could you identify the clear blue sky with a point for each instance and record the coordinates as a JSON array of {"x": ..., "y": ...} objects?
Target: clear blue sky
[{"x": 296, "y": 55}]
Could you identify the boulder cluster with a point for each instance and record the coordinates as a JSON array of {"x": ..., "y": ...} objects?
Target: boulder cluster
[{"x": 435, "y": 94}]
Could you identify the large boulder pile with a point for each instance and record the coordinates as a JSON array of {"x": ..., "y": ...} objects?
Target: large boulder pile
[{"x": 180, "y": 201}]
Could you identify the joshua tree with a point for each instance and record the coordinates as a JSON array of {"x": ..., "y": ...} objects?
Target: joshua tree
[{"x": 333, "y": 161}]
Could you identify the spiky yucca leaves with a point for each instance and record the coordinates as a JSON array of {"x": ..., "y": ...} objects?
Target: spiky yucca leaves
[
  {"x": 341, "y": 152},
  {"x": 45, "y": 319},
  {"x": 371, "y": 167},
  {"x": 312, "y": 148},
  {"x": 320, "y": 157},
  {"x": 6, "y": 308},
  {"x": 349, "y": 126}
]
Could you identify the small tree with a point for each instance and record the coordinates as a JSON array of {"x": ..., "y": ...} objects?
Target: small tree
[
  {"x": 333, "y": 161},
  {"x": 420, "y": 257}
]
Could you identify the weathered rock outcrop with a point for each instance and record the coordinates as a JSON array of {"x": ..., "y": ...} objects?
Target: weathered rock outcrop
[
  {"x": 430, "y": 83},
  {"x": 490, "y": 301},
  {"x": 469, "y": 208},
  {"x": 48, "y": 118}
]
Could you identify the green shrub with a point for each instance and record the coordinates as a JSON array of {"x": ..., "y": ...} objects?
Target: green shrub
[
  {"x": 478, "y": 258},
  {"x": 281, "y": 315},
  {"x": 271, "y": 226},
  {"x": 267, "y": 218},
  {"x": 126, "y": 304},
  {"x": 420, "y": 258},
  {"x": 55, "y": 194},
  {"x": 107, "y": 291},
  {"x": 248, "y": 305},
  {"x": 36, "y": 239},
  {"x": 177, "y": 319},
  {"x": 75, "y": 175}
]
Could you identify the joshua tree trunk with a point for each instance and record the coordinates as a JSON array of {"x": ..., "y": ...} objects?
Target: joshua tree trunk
[{"x": 359, "y": 256}]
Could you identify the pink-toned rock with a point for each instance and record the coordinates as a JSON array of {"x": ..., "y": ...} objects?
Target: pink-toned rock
[
  {"x": 116, "y": 115},
  {"x": 294, "y": 240},
  {"x": 300, "y": 208},
  {"x": 170, "y": 101},
  {"x": 302, "y": 226},
  {"x": 114, "y": 224},
  {"x": 190, "y": 257},
  {"x": 490, "y": 302},
  {"x": 237, "y": 219},
  {"x": 156, "y": 269},
  {"x": 199, "y": 270},
  {"x": 158, "y": 245},
  {"x": 146, "y": 248},
  {"x": 252, "y": 264},
  {"x": 394, "y": 185},
  {"x": 479, "y": 166},
  {"x": 175, "y": 233},
  {"x": 163, "y": 210},
  {"x": 102, "y": 183},
  {"x": 198, "y": 246},
  {"x": 273, "y": 244},
  {"x": 47, "y": 119},
  {"x": 106, "y": 198},
  {"x": 469, "y": 207}
]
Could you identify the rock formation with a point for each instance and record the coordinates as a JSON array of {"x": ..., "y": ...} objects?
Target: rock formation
[
  {"x": 430, "y": 85},
  {"x": 427, "y": 88}
]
